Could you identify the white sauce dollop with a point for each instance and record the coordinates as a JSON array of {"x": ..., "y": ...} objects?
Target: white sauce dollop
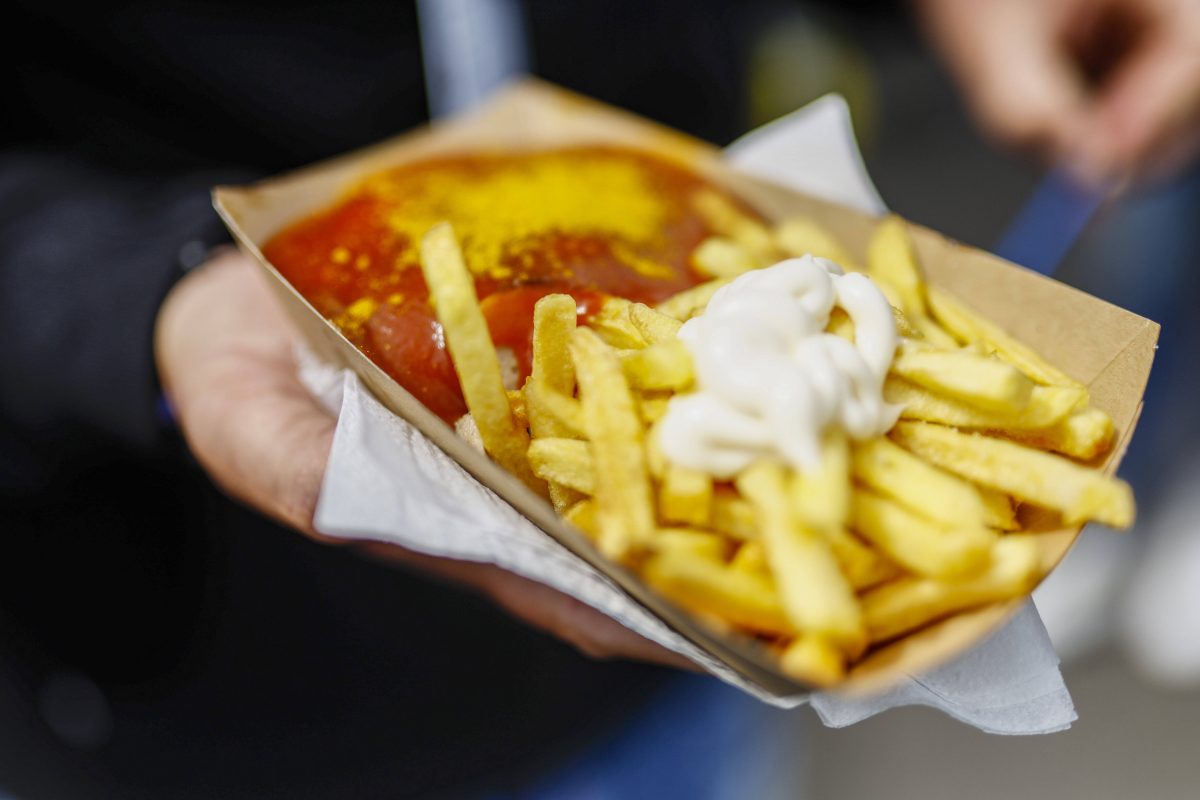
[{"x": 770, "y": 381}]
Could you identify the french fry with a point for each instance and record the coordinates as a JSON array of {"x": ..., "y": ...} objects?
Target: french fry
[
  {"x": 912, "y": 602},
  {"x": 720, "y": 257},
  {"x": 893, "y": 472},
  {"x": 656, "y": 460},
  {"x": 816, "y": 595},
  {"x": 799, "y": 236},
  {"x": 821, "y": 501},
  {"x": 612, "y": 323},
  {"x": 975, "y": 380},
  {"x": 1047, "y": 407},
  {"x": 554, "y": 318},
  {"x": 734, "y": 517},
  {"x": 551, "y": 413},
  {"x": 916, "y": 543},
  {"x": 862, "y": 565},
  {"x": 667, "y": 365},
  {"x": 813, "y": 660},
  {"x": 690, "y": 302},
  {"x": 685, "y": 496},
  {"x": 968, "y": 326},
  {"x": 727, "y": 219},
  {"x": 651, "y": 407},
  {"x": 903, "y": 327},
  {"x": 705, "y": 544},
  {"x": 654, "y": 326},
  {"x": 892, "y": 263},
  {"x": 821, "y": 497},
  {"x": 1078, "y": 493},
  {"x": 452, "y": 291},
  {"x": 552, "y": 381},
  {"x": 999, "y": 511},
  {"x": 622, "y": 485},
  {"x": 582, "y": 514},
  {"x": 1084, "y": 434},
  {"x": 841, "y": 325},
  {"x": 567, "y": 462},
  {"x": 750, "y": 557},
  {"x": 516, "y": 402},
  {"x": 708, "y": 586}
]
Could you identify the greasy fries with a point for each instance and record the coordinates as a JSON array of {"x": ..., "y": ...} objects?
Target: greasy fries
[
  {"x": 625, "y": 510},
  {"x": 879, "y": 537},
  {"x": 1078, "y": 493},
  {"x": 453, "y": 295}
]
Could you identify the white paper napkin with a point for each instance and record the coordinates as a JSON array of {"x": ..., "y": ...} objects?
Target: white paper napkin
[{"x": 386, "y": 482}]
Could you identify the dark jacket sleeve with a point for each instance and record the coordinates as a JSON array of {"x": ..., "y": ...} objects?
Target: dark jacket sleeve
[{"x": 86, "y": 257}]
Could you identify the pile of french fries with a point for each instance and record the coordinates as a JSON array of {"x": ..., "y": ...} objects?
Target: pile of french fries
[{"x": 887, "y": 536}]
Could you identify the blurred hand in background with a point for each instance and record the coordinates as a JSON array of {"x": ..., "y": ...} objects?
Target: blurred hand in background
[{"x": 1111, "y": 88}]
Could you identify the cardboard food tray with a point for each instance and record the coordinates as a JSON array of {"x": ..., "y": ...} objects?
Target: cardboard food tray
[{"x": 1103, "y": 346}]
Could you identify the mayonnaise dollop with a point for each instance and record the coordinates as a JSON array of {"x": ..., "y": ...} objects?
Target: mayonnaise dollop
[{"x": 770, "y": 381}]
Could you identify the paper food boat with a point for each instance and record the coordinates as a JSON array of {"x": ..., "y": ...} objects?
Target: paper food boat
[{"x": 1108, "y": 349}]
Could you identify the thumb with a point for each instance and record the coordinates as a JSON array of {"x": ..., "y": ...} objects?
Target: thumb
[{"x": 225, "y": 355}]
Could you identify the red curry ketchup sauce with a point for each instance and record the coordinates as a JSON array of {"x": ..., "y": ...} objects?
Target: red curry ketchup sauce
[{"x": 589, "y": 221}]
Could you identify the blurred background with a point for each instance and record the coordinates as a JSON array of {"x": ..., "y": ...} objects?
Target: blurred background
[
  {"x": 1121, "y": 609},
  {"x": 94, "y": 671}
]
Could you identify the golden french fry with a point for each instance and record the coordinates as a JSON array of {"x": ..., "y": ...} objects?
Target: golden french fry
[
  {"x": 551, "y": 413},
  {"x": 912, "y": 602},
  {"x": 708, "y": 586},
  {"x": 656, "y": 460},
  {"x": 799, "y": 236},
  {"x": 815, "y": 593},
  {"x": 968, "y": 326},
  {"x": 654, "y": 326},
  {"x": 554, "y": 317},
  {"x": 516, "y": 401},
  {"x": 931, "y": 332},
  {"x": 452, "y": 291},
  {"x": 841, "y": 325},
  {"x": 1085, "y": 434},
  {"x": 975, "y": 380},
  {"x": 863, "y": 566},
  {"x": 999, "y": 510},
  {"x": 813, "y": 660},
  {"x": 582, "y": 514},
  {"x": 685, "y": 496},
  {"x": 651, "y": 407},
  {"x": 567, "y": 462},
  {"x": 905, "y": 328},
  {"x": 549, "y": 407},
  {"x": 613, "y": 325},
  {"x": 734, "y": 517},
  {"x": 821, "y": 497},
  {"x": 705, "y": 544},
  {"x": 667, "y": 365},
  {"x": 918, "y": 544},
  {"x": 690, "y": 302},
  {"x": 622, "y": 485},
  {"x": 750, "y": 557},
  {"x": 727, "y": 219},
  {"x": 1078, "y": 493},
  {"x": 891, "y": 471},
  {"x": 720, "y": 257},
  {"x": 1047, "y": 407},
  {"x": 892, "y": 262}
]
